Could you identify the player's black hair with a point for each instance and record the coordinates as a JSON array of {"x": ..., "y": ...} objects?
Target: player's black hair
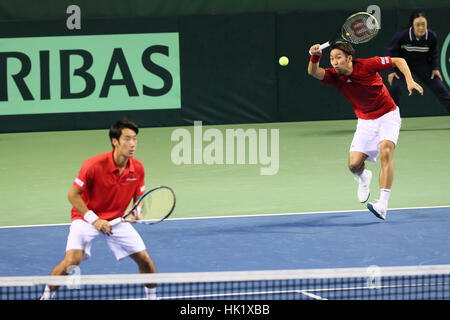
[
  {"x": 343, "y": 45},
  {"x": 415, "y": 15},
  {"x": 115, "y": 131}
]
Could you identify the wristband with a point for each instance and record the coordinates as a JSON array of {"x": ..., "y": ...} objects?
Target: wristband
[
  {"x": 314, "y": 58},
  {"x": 138, "y": 210},
  {"x": 90, "y": 217}
]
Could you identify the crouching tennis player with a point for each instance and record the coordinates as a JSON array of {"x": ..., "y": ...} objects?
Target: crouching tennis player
[{"x": 101, "y": 192}]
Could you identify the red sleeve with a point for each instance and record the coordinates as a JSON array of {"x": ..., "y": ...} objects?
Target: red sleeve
[
  {"x": 376, "y": 64},
  {"x": 329, "y": 77},
  {"x": 84, "y": 176}
]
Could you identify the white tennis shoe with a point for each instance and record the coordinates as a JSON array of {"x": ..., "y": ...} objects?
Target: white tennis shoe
[
  {"x": 364, "y": 187},
  {"x": 379, "y": 209}
]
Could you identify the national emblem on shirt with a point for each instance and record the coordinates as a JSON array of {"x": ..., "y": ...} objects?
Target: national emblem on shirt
[{"x": 384, "y": 60}]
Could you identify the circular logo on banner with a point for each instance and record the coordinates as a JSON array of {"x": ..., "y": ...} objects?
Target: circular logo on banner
[{"x": 445, "y": 60}]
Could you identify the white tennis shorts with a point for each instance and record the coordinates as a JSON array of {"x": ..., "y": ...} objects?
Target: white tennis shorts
[
  {"x": 370, "y": 133},
  {"x": 123, "y": 242}
]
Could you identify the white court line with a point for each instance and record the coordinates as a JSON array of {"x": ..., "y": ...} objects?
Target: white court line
[
  {"x": 246, "y": 216},
  {"x": 301, "y": 213},
  {"x": 306, "y": 292}
]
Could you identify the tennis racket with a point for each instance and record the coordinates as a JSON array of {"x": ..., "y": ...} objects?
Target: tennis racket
[
  {"x": 358, "y": 28},
  {"x": 158, "y": 204}
]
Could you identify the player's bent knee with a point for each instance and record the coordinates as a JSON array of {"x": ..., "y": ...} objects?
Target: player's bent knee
[
  {"x": 144, "y": 261},
  {"x": 355, "y": 167},
  {"x": 73, "y": 258},
  {"x": 356, "y": 162},
  {"x": 69, "y": 263}
]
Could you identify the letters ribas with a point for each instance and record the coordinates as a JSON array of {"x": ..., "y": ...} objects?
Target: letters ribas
[{"x": 102, "y": 73}]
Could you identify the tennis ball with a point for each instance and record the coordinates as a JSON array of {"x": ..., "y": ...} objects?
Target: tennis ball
[
  {"x": 283, "y": 61},
  {"x": 347, "y": 34}
]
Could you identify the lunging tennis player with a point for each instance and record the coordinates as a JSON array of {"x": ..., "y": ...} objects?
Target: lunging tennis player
[
  {"x": 101, "y": 192},
  {"x": 379, "y": 119}
]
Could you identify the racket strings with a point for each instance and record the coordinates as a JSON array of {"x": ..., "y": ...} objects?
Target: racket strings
[
  {"x": 157, "y": 205},
  {"x": 360, "y": 28}
]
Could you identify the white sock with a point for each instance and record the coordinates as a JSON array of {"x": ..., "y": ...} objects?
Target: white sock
[
  {"x": 48, "y": 295},
  {"x": 363, "y": 176},
  {"x": 384, "y": 195},
  {"x": 151, "y": 293}
]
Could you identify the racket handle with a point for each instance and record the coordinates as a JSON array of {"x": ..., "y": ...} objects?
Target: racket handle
[
  {"x": 324, "y": 45},
  {"x": 115, "y": 222}
]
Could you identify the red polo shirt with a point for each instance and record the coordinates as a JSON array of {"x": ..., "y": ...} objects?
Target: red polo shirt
[
  {"x": 364, "y": 88},
  {"x": 105, "y": 191}
]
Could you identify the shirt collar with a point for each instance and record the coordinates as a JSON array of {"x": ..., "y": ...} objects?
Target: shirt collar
[
  {"x": 113, "y": 166},
  {"x": 411, "y": 34}
]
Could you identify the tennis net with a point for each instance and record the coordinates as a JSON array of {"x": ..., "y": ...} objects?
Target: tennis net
[{"x": 372, "y": 283}]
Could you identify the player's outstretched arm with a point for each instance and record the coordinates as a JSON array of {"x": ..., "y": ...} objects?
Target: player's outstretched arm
[
  {"x": 401, "y": 65},
  {"x": 313, "y": 67}
]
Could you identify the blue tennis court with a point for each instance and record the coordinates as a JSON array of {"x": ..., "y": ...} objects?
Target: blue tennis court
[{"x": 409, "y": 237}]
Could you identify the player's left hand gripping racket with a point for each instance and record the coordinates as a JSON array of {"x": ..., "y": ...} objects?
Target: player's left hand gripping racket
[
  {"x": 358, "y": 28},
  {"x": 158, "y": 203}
]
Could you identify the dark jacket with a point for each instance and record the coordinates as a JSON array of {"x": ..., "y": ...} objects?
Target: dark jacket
[{"x": 416, "y": 52}]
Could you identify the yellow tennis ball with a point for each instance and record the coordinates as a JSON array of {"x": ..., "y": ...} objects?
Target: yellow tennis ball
[
  {"x": 283, "y": 61},
  {"x": 347, "y": 34}
]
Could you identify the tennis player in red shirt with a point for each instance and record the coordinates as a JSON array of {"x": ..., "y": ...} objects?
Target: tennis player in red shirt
[
  {"x": 102, "y": 191},
  {"x": 379, "y": 119}
]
